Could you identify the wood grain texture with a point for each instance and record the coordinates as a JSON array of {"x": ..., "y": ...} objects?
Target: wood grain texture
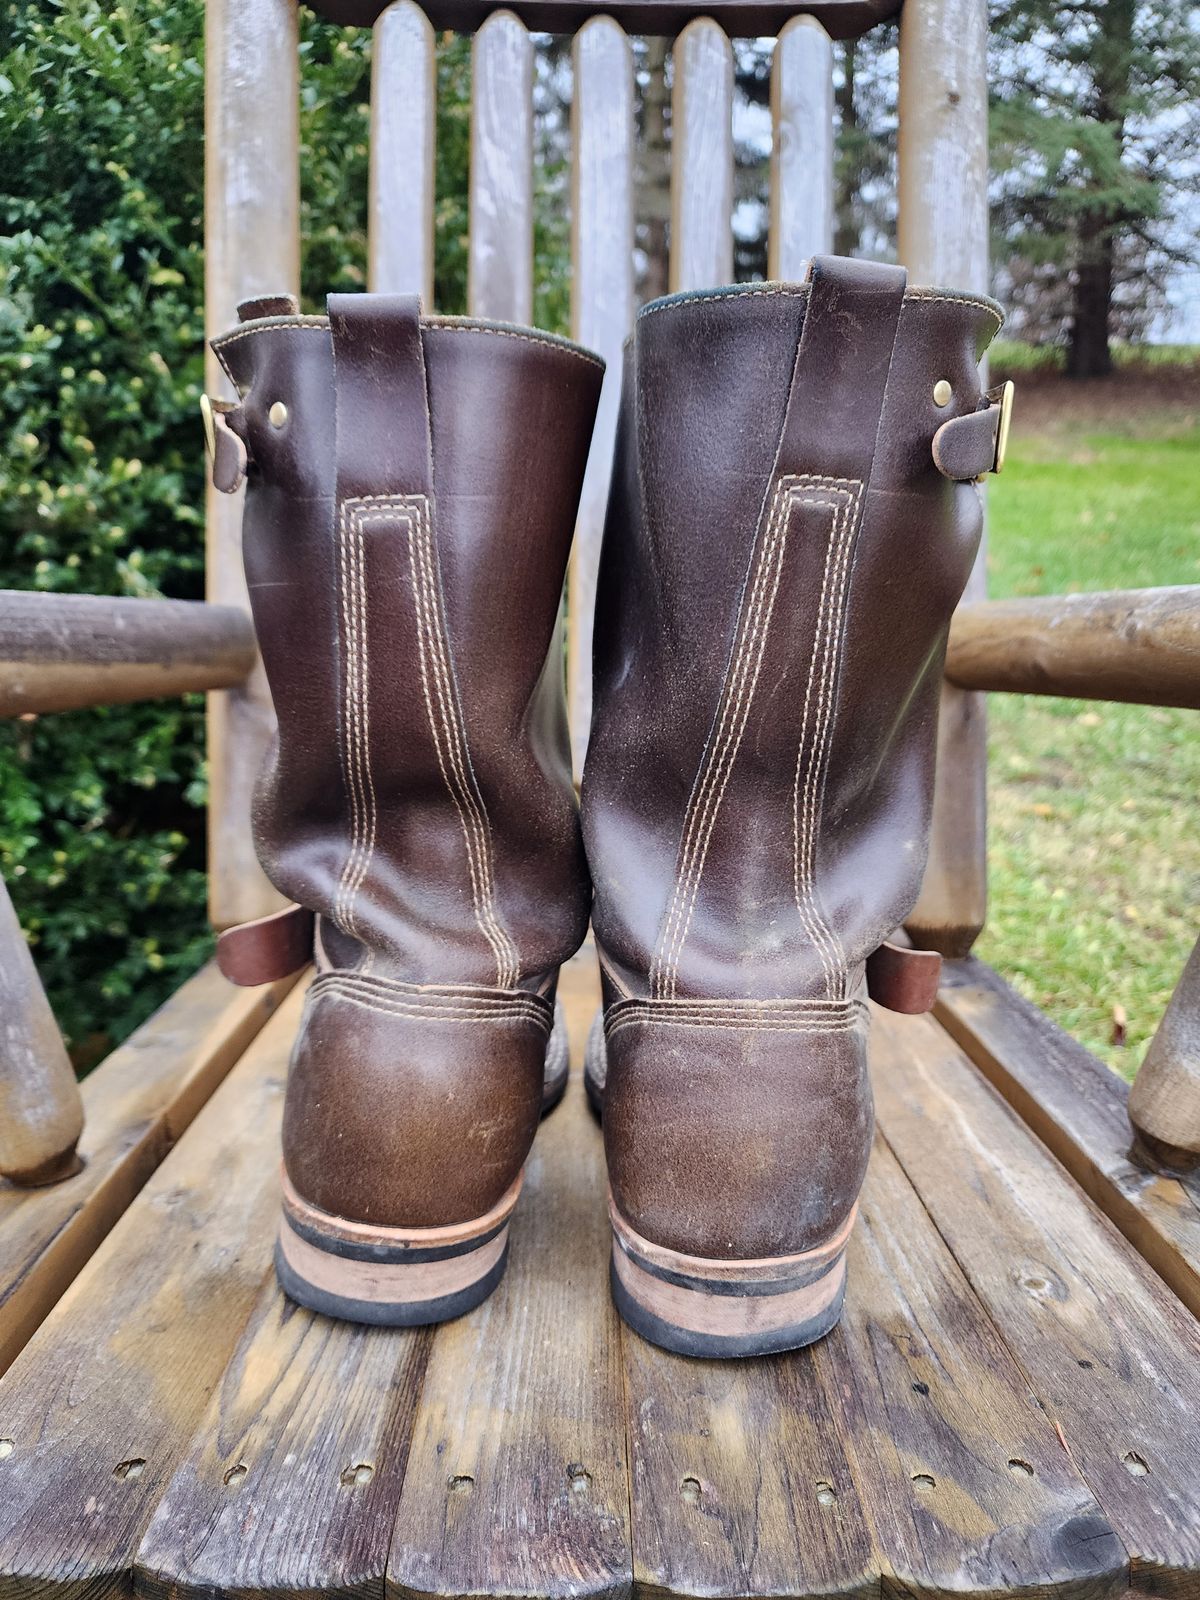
[
  {"x": 943, "y": 241},
  {"x": 883, "y": 1455},
  {"x": 103, "y": 1401},
  {"x": 500, "y": 247},
  {"x": 304, "y": 1442},
  {"x": 62, "y": 651},
  {"x": 702, "y": 158},
  {"x": 41, "y": 1114},
  {"x": 1079, "y": 1110},
  {"x": 602, "y": 310},
  {"x": 1165, "y": 1100},
  {"x": 403, "y": 118},
  {"x": 517, "y": 1480},
  {"x": 252, "y": 247},
  {"x": 1110, "y": 1352},
  {"x": 1136, "y": 645},
  {"x": 137, "y": 1103},
  {"x": 801, "y": 223},
  {"x": 752, "y": 19}
]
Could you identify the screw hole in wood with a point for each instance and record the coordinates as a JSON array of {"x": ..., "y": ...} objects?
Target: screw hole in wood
[
  {"x": 235, "y": 1475},
  {"x": 826, "y": 1493},
  {"x": 690, "y": 1491},
  {"x": 1135, "y": 1465},
  {"x": 129, "y": 1471},
  {"x": 460, "y": 1483},
  {"x": 923, "y": 1481},
  {"x": 1019, "y": 1468},
  {"x": 6, "y": 1448},
  {"x": 358, "y": 1474},
  {"x": 579, "y": 1479}
]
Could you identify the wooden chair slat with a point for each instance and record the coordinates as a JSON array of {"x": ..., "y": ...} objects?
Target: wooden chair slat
[
  {"x": 802, "y": 153},
  {"x": 403, "y": 122},
  {"x": 602, "y": 309},
  {"x": 1079, "y": 1110},
  {"x": 962, "y": 1475},
  {"x": 136, "y": 1104},
  {"x": 252, "y": 247},
  {"x": 62, "y": 651},
  {"x": 41, "y": 1114},
  {"x": 825, "y": 1468},
  {"x": 305, "y": 1439},
  {"x": 500, "y": 248},
  {"x": 1110, "y": 1352},
  {"x": 103, "y": 1401},
  {"x": 702, "y": 158},
  {"x": 516, "y": 1426},
  {"x": 943, "y": 241}
]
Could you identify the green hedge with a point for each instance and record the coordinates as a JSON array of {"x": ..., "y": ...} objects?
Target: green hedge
[{"x": 101, "y": 472}]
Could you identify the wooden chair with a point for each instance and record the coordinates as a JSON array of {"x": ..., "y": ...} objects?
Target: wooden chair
[{"x": 1010, "y": 1403}]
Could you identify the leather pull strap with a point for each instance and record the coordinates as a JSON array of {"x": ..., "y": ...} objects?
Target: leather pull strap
[
  {"x": 842, "y": 365},
  {"x": 267, "y": 949},
  {"x": 903, "y": 979},
  {"x": 381, "y": 395},
  {"x": 965, "y": 447}
]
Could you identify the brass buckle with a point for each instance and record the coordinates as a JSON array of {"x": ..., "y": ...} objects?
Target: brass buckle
[
  {"x": 1003, "y": 397},
  {"x": 208, "y": 408}
]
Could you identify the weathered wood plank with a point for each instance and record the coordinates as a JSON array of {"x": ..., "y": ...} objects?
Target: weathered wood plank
[
  {"x": 252, "y": 247},
  {"x": 62, "y": 651},
  {"x": 602, "y": 309},
  {"x": 943, "y": 240},
  {"x": 403, "y": 120},
  {"x": 751, "y": 19},
  {"x": 802, "y": 154},
  {"x": 962, "y": 1476},
  {"x": 41, "y": 1114},
  {"x": 906, "y": 1449},
  {"x": 1136, "y": 645},
  {"x": 303, "y": 1445},
  {"x": 702, "y": 158},
  {"x": 1164, "y": 1104},
  {"x": 500, "y": 247},
  {"x": 517, "y": 1480},
  {"x": 1110, "y": 1352},
  {"x": 137, "y": 1103},
  {"x": 1079, "y": 1110},
  {"x": 100, "y": 1405}
]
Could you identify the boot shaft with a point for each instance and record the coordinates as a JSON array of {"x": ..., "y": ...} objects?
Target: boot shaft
[
  {"x": 781, "y": 560},
  {"x": 410, "y": 507}
]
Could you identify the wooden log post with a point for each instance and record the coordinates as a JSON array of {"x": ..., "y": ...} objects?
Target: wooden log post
[
  {"x": 943, "y": 241},
  {"x": 403, "y": 121},
  {"x": 802, "y": 152},
  {"x": 702, "y": 158},
  {"x": 602, "y": 310},
  {"x": 1164, "y": 1103},
  {"x": 252, "y": 247},
  {"x": 1141, "y": 646},
  {"x": 62, "y": 651},
  {"x": 500, "y": 248},
  {"x": 41, "y": 1113}
]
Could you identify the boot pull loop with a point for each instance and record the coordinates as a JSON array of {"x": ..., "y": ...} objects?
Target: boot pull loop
[
  {"x": 970, "y": 447},
  {"x": 902, "y": 979},
  {"x": 267, "y": 949},
  {"x": 227, "y": 453},
  {"x": 381, "y": 396}
]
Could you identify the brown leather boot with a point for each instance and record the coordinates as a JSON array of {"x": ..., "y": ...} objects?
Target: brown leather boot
[
  {"x": 792, "y": 522},
  {"x": 412, "y": 492}
]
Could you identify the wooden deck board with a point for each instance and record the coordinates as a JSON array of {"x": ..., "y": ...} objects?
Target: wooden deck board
[
  {"x": 136, "y": 1103},
  {"x": 1113, "y": 1356},
  {"x": 1009, "y": 1385},
  {"x": 1079, "y": 1109},
  {"x": 100, "y": 1405}
]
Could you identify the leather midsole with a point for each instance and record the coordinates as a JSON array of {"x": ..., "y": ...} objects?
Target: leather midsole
[{"x": 390, "y": 1282}]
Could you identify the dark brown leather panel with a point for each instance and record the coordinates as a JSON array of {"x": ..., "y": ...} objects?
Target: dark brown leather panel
[
  {"x": 411, "y": 1109},
  {"x": 737, "y": 1140}
]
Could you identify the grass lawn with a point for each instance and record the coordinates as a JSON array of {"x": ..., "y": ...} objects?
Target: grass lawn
[{"x": 1095, "y": 809}]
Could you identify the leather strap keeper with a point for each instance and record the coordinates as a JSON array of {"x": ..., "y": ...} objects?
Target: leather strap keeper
[
  {"x": 267, "y": 949},
  {"x": 904, "y": 980}
]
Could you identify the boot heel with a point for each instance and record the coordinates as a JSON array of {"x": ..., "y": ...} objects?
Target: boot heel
[
  {"x": 391, "y": 1277},
  {"x": 697, "y": 1306}
]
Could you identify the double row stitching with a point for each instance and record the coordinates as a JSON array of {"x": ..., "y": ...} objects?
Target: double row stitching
[
  {"x": 822, "y": 677},
  {"x": 459, "y": 781},
  {"x": 356, "y": 718},
  {"x": 736, "y": 698}
]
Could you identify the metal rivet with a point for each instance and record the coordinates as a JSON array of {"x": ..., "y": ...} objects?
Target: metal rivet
[
  {"x": 943, "y": 392},
  {"x": 278, "y": 414}
]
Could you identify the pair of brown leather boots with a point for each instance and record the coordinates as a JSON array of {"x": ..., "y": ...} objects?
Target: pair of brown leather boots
[{"x": 792, "y": 519}]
